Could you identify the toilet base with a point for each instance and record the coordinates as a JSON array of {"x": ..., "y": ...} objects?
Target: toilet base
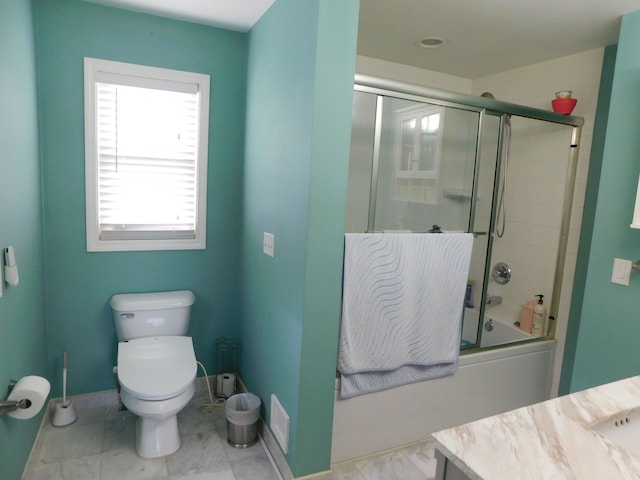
[
  {"x": 157, "y": 432},
  {"x": 157, "y": 438}
]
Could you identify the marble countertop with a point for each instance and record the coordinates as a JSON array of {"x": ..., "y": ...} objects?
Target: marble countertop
[{"x": 548, "y": 440}]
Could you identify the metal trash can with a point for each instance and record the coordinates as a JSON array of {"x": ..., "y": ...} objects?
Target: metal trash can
[{"x": 242, "y": 411}]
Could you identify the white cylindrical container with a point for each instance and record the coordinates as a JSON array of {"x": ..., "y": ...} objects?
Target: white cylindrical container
[
  {"x": 242, "y": 412},
  {"x": 225, "y": 385}
]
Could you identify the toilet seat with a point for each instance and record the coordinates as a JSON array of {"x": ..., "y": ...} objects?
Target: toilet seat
[{"x": 156, "y": 368}]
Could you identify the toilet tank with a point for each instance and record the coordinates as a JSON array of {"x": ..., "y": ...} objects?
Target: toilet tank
[{"x": 139, "y": 315}]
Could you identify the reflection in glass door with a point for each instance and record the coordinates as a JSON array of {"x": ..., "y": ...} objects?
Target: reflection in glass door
[
  {"x": 413, "y": 165},
  {"x": 425, "y": 166}
]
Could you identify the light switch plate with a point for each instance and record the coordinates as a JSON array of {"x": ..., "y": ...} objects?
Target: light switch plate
[
  {"x": 621, "y": 271},
  {"x": 269, "y": 244}
]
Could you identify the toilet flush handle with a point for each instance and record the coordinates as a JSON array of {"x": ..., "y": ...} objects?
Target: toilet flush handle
[{"x": 125, "y": 316}]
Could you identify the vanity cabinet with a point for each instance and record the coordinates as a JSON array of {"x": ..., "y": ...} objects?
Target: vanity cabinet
[{"x": 447, "y": 470}]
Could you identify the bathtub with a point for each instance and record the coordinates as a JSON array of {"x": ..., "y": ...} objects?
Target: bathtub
[
  {"x": 487, "y": 382},
  {"x": 502, "y": 332}
]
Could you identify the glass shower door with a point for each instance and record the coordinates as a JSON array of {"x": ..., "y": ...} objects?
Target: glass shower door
[
  {"x": 416, "y": 163},
  {"x": 413, "y": 165},
  {"x": 425, "y": 168}
]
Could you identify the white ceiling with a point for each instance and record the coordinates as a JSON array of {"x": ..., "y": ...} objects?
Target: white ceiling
[
  {"x": 483, "y": 36},
  {"x": 238, "y": 15},
  {"x": 486, "y": 36}
]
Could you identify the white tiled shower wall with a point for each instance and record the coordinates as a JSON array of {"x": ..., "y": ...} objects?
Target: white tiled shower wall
[{"x": 535, "y": 86}]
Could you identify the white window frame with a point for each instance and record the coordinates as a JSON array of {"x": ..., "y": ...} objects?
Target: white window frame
[{"x": 94, "y": 69}]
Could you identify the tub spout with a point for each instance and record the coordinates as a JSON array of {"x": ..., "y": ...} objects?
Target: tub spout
[{"x": 494, "y": 300}]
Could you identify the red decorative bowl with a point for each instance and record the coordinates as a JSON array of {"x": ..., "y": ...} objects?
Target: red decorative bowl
[{"x": 564, "y": 105}]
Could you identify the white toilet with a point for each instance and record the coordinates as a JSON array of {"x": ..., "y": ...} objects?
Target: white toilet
[{"x": 156, "y": 364}]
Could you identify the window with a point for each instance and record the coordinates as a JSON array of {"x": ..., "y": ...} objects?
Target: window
[
  {"x": 417, "y": 150},
  {"x": 146, "y": 136},
  {"x": 419, "y": 138}
]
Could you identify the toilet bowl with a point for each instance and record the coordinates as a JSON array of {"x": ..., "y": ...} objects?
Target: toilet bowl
[
  {"x": 156, "y": 376},
  {"x": 156, "y": 364}
]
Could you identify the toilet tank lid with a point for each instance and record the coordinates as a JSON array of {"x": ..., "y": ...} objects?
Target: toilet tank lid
[{"x": 152, "y": 301}]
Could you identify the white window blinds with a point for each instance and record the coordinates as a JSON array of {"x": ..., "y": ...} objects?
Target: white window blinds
[
  {"x": 147, "y": 167},
  {"x": 147, "y": 153}
]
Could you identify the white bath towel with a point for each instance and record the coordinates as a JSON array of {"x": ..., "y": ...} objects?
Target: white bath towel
[{"x": 403, "y": 299}]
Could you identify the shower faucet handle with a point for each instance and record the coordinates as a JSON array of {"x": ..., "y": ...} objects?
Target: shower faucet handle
[
  {"x": 501, "y": 273},
  {"x": 494, "y": 300}
]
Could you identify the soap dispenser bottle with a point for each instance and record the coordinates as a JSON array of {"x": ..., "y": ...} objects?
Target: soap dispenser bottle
[{"x": 539, "y": 311}]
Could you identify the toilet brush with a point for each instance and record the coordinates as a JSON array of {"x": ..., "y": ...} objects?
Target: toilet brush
[{"x": 64, "y": 414}]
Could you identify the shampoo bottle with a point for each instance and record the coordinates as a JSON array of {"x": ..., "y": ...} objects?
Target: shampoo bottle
[
  {"x": 537, "y": 329},
  {"x": 468, "y": 297},
  {"x": 526, "y": 316}
]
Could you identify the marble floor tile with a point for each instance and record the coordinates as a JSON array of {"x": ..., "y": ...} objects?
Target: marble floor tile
[
  {"x": 201, "y": 452},
  {"x": 82, "y": 468},
  {"x": 84, "y": 417},
  {"x": 125, "y": 464},
  {"x": 48, "y": 471},
  {"x": 257, "y": 467},
  {"x": 218, "y": 475},
  {"x": 101, "y": 446},
  {"x": 194, "y": 420},
  {"x": 422, "y": 455},
  {"x": 346, "y": 471},
  {"x": 391, "y": 465},
  {"x": 119, "y": 429},
  {"x": 72, "y": 442}
]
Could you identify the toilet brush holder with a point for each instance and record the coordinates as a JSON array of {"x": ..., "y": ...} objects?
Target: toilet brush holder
[{"x": 64, "y": 414}]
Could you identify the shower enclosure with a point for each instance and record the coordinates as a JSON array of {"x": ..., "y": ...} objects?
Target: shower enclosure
[{"x": 424, "y": 159}]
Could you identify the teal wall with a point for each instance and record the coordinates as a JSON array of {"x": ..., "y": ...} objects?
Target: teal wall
[
  {"x": 23, "y": 345},
  {"x": 294, "y": 74},
  {"x": 606, "y": 342},
  {"x": 300, "y": 82},
  {"x": 588, "y": 217},
  {"x": 79, "y": 284}
]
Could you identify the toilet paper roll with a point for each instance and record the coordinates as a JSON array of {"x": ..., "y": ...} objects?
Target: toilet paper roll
[
  {"x": 226, "y": 384},
  {"x": 33, "y": 389}
]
